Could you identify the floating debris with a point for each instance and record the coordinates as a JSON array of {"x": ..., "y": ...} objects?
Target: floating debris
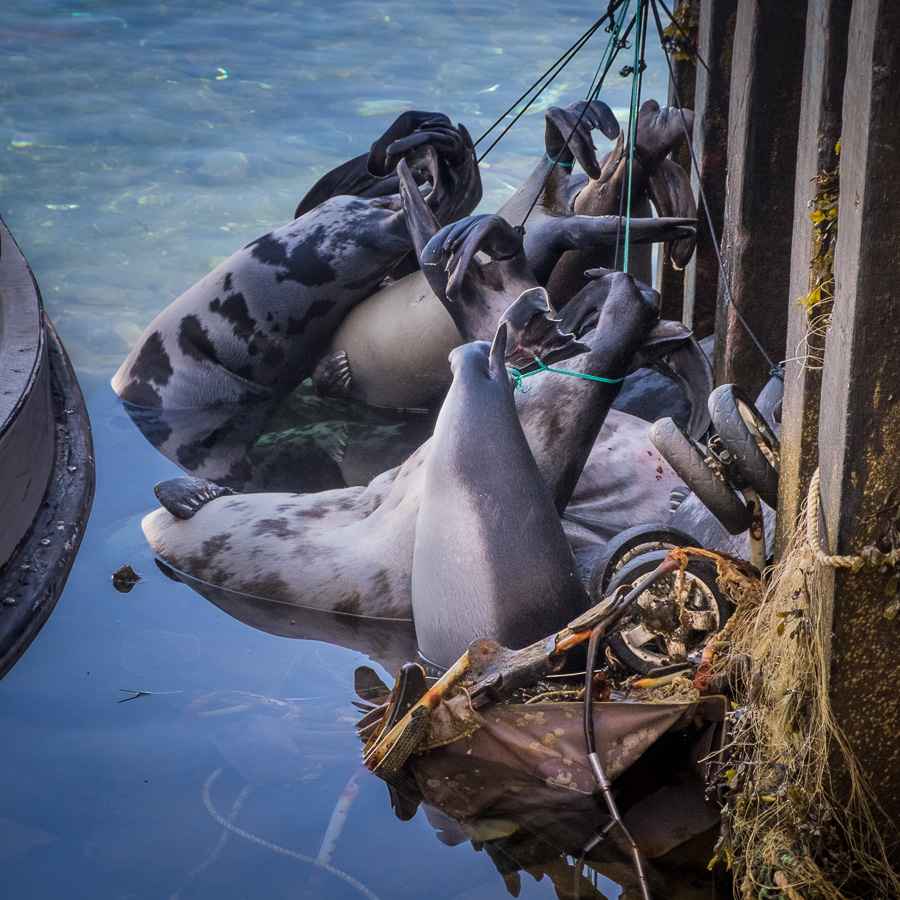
[
  {"x": 124, "y": 579},
  {"x": 21, "y": 140},
  {"x": 56, "y": 206},
  {"x": 223, "y": 74}
]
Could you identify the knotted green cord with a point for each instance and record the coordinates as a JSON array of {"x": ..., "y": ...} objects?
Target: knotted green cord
[
  {"x": 632, "y": 122},
  {"x": 518, "y": 376}
]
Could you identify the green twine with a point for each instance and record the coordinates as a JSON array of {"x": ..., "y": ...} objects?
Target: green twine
[
  {"x": 518, "y": 376},
  {"x": 562, "y": 165},
  {"x": 632, "y": 121}
]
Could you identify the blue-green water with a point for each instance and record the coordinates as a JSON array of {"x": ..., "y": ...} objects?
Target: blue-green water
[{"x": 140, "y": 143}]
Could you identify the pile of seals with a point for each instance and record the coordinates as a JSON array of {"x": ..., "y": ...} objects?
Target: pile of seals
[{"x": 474, "y": 533}]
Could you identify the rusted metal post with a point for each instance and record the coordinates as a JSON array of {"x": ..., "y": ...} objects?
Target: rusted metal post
[
  {"x": 859, "y": 432},
  {"x": 701, "y": 276},
  {"x": 824, "y": 67},
  {"x": 764, "y": 111}
]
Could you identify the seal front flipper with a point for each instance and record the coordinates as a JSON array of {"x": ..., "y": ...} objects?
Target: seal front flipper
[
  {"x": 332, "y": 376},
  {"x": 420, "y": 220},
  {"x": 184, "y": 497}
]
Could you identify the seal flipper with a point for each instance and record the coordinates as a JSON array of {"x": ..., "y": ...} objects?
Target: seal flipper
[
  {"x": 184, "y": 497},
  {"x": 553, "y": 236},
  {"x": 672, "y": 350},
  {"x": 447, "y": 257},
  {"x": 420, "y": 220},
  {"x": 533, "y": 332},
  {"x": 669, "y": 190},
  {"x": 567, "y": 136},
  {"x": 332, "y": 376}
]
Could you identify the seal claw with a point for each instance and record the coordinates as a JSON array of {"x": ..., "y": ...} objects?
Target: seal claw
[
  {"x": 184, "y": 497},
  {"x": 332, "y": 376}
]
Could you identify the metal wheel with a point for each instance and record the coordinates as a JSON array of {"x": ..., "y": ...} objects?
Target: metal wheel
[
  {"x": 673, "y": 620},
  {"x": 628, "y": 544},
  {"x": 745, "y": 432}
]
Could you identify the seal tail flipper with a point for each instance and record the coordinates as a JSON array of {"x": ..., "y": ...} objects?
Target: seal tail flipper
[
  {"x": 384, "y": 152},
  {"x": 448, "y": 255},
  {"x": 533, "y": 333},
  {"x": 669, "y": 189},
  {"x": 659, "y": 131},
  {"x": 568, "y": 133},
  {"x": 420, "y": 220},
  {"x": 185, "y": 497}
]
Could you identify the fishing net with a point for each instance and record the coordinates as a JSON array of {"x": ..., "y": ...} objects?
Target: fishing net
[{"x": 789, "y": 830}]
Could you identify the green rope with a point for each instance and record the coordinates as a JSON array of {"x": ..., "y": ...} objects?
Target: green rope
[
  {"x": 632, "y": 122},
  {"x": 562, "y": 165},
  {"x": 609, "y": 54},
  {"x": 518, "y": 376}
]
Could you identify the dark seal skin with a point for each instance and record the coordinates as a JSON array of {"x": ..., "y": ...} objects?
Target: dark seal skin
[
  {"x": 490, "y": 557},
  {"x": 351, "y": 550},
  {"x": 392, "y": 349},
  {"x": 654, "y": 179},
  {"x": 254, "y": 327}
]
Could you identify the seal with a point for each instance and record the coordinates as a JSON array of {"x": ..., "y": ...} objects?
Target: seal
[
  {"x": 254, "y": 327},
  {"x": 654, "y": 179},
  {"x": 351, "y": 550},
  {"x": 392, "y": 349},
  {"x": 490, "y": 557}
]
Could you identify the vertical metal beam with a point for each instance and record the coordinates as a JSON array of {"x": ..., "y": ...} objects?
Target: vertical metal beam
[
  {"x": 767, "y": 65},
  {"x": 859, "y": 432},
  {"x": 824, "y": 67},
  {"x": 701, "y": 276}
]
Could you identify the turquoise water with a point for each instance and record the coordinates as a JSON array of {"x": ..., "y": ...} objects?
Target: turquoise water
[{"x": 141, "y": 143}]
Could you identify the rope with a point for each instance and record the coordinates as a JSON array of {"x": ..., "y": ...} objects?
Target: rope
[
  {"x": 561, "y": 62},
  {"x": 225, "y": 823},
  {"x": 633, "y": 116},
  {"x": 518, "y": 376},
  {"x": 612, "y": 47},
  {"x": 832, "y": 560}
]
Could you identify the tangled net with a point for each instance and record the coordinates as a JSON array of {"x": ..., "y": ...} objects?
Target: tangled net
[{"x": 787, "y": 831}]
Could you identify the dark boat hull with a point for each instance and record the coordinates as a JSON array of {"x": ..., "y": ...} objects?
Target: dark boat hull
[{"x": 46, "y": 459}]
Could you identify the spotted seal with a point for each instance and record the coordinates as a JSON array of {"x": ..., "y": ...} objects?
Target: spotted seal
[
  {"x": 254, "y": 327},
  {"x": 351, "y": 550}
]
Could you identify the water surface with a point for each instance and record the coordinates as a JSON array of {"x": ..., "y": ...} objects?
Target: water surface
[{"x": 140, "y": 144}]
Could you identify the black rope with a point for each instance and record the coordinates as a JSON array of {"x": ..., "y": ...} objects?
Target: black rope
[
  {"x": 687, "y": 37},
  {"x": 634, "y": 108},
  {"x": 729, "y": 296},
  {"x": 594, "y": 760},
  {"x": 561, "y": 63},
  {"x": 594, "y": 91}
]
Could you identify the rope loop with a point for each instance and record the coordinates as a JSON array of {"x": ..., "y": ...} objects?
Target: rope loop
[
  {"x": 517, "y": 375},
  {"x": 835, "y": 561}
]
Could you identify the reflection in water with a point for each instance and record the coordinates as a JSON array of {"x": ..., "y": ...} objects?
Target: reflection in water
[
  {"x": 131, "y": 167},
  {"x": 303, "y": 444},
  {"x": 388, "y": 642}
]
